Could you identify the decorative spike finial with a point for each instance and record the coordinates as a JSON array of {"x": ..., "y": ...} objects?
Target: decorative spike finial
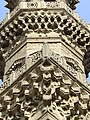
[{"x": 72, "y": 3}]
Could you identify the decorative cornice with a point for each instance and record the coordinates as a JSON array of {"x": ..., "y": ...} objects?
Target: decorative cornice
[
  {"x": 43, "y": 22},
  {"x": 56, "y": 5},
  {"x": 67, "y": 65},
  {"x": 12, "y": 4}
]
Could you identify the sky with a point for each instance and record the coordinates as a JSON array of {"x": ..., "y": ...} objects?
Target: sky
[{"x": 83, "y": 9}]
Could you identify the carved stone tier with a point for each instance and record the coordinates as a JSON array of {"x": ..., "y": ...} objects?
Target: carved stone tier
[
  {"x": 46, "y": 91},
  {"x": 23, "y": 6},
  {"x": 42, "y": 22},
  {"x": 12, "y": 4}
]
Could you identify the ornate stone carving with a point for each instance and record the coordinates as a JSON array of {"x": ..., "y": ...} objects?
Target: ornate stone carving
[
  {"x": 47, "y": 89},
  {"x": 41, "y": 22},
  {"x": 52, "y": 4},
  {"x": 32, "y": 4},
  {"x": 17, "y": 68},
  {"x": 44, "y": 85}
]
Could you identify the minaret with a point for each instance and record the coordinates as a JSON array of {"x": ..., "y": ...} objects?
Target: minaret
[{"x": 42, "y": 47}]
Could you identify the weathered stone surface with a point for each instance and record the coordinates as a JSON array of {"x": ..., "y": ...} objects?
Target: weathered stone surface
[{"x": 43, "y": 44}]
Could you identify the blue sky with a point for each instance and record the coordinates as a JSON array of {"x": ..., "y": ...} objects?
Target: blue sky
[
  {"x": 3, "y": 10},
  {"x": 83, "y": 9}
]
